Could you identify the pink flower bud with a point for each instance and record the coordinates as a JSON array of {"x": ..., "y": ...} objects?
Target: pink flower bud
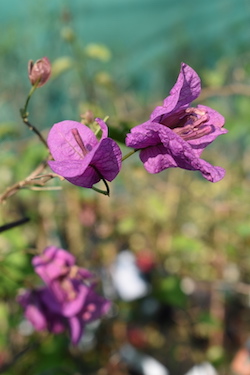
[{"x": 39, "y": 71}]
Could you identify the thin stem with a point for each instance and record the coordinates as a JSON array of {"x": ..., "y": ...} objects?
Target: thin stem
[
  {"x": 32, "y": 90},
  {"x": 24, "y": 114},
  {"x": 129, "y": 154},
  {"x": 101, "y": 191},
  {"x": 13, "y": 224},
  {"x": 34, "y": 129},
  {"x": 104, "y": 181},
  {"x": 29, "y": 181}
]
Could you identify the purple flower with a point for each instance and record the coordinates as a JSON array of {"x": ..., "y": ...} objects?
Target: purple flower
[
  {"x": 54, "y": 263},
  {"x": 177, "y": 133},
  {"x": 94, "y": 307},
  {"x": 80, "y": 157},
  {"x": 39, "y": 313},
  {"x": 68, "y": 300},
  {"x": 41, "y": 310},
  {"x": 65, "y": 280}
]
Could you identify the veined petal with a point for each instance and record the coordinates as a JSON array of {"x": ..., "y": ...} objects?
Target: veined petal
[
  {"x": 62, "y": 143},
  {"x": 80, "y": 157},
  {"x": 87, "y": 179},
  {"x": 186, "y": 158},
  {"x": 70, "y": 168},
  {"x": 156, "y": 159},
  {"x": 186, "y": 89},
  {"x": 103, "y": 127},
  {"x": 76, "y": 329},
  {"x": 107, "y": 159},
  {"x": 143, "y": 135}
]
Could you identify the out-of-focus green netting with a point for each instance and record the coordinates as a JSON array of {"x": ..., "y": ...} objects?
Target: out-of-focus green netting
[{"x": 197, "y": 233}]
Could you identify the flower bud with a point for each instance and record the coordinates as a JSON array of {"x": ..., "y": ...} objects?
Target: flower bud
[
  {"x": 39, "y": 71},
  {"x": 88, "y": 117}
]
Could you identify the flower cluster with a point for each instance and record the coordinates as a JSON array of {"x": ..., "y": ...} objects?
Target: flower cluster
[
  {"x": 68, "y": 299},
  {"x": 174, "y": 136}
]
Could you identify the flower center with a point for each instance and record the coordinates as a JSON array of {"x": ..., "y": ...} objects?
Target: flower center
[
  {"x": 68, "y": 288},
  {"x": 79, "y": 141},
  {"x": 191, "y": 124}
]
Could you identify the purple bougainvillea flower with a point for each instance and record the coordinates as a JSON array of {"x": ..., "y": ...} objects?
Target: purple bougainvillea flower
[
  {"x": 39, "y": 310},
  {"x": 94, "y": 308},
  {"x": 68, "y": 300},
  {"x": 80, "y": 157},
  {"x": 177, "y": 133},
  {"x": 54, "y": 263},
  {"x": 39, "y": 314},
  {"x": 65, "y": 280}
]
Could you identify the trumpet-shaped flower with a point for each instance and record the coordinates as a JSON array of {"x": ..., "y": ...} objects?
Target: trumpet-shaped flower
[
  {"x": 177, "y": 133},
  {"x": 80, "y": 157}
]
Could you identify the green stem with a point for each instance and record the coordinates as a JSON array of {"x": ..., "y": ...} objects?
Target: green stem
[
  {"x": 24, "y": 114},
  {"x": 32, "y": 90},
  {"x": 101, "y": 191},
  {"x": 129, "y": 154},
  {"x": 104, "y": 181}
]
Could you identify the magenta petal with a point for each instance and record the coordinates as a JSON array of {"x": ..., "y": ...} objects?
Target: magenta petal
[
  {"x": 52, "y": 254},
  {"x": 36, "y": 318},
  {"x": 76, "y": 329},
  {"x": 69, "y": 169},
  {"x": 211, "y": 173},
  {"x": 156, "y": 159},
  {"x": 103, "y": 127},
  {"x": 87, "y": 179},
  {"x": 78, "y": 172},
  {"x": 96, "y": 306},
  {"x": 107, "y": 159},
  {"x": 85, "y": 274},
  {"x": 52, "y": 263},
  {"x": 186, "y": 158},
  {"x": 73, "y": 307},
  {"x": 62, "y": 143},
  {"x": 186, "y": 89},
  {"x": 143, "y": 135},
  {"x": 80, "y": 157}
]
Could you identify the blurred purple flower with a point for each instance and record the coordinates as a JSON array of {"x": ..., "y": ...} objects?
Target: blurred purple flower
[
  {"x": 176, "y": 133},
  {"x": 68, "y": 300},
  {"x": 80, "y": 157},
  {"x": 38, "y": 313},
  {"x": 54, "y": 263},
  {"x": 39, "y": 71}
]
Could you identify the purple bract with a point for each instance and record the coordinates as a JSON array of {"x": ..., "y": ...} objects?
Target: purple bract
[
  {"x": 68, "y": 300},
  {"x": 80, "y": 157},
  {"x": 177, "y": 133}
]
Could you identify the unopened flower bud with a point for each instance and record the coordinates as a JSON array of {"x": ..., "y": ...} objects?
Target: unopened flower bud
[
  {"x": 39, "y": 71},
  {"x": 88, "y": 117}
]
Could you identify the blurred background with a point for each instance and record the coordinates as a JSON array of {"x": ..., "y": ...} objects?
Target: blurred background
[{"x": 180, "y": 240}]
